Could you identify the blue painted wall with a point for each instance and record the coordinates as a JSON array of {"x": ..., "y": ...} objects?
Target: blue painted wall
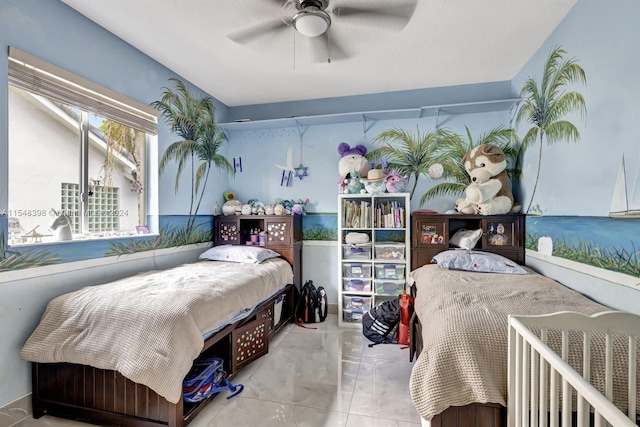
[
  {"x": 57, "y": 34},
  {"x": 577, "y": 180}
]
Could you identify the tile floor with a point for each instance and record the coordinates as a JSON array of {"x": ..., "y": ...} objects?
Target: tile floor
[{"x": 312, "y": 377}]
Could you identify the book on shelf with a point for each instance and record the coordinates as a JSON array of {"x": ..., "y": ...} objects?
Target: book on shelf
[
  {"x": 389, "y": 215},
  {"x": 357, "y": 214}
]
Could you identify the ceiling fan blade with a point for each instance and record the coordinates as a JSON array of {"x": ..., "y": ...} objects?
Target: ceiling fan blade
[
  {"x": 395, "y": 16},
  {"x": 325, "y": 48},
  {"x": 262, "y": 29}
]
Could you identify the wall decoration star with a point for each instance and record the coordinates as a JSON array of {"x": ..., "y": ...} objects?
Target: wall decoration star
[{"x": 301, "y": 171}]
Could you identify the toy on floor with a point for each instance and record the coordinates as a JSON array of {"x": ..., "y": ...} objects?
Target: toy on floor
[{"x": 206, "y": 378}]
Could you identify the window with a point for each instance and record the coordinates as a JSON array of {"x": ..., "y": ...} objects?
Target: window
[
  {"x": 76, "y": 149},
  {"x": 103, "y": 200}
]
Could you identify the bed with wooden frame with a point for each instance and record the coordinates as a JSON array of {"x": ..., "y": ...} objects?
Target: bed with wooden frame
[
  {"x": 459, "y": 336},
  {"x": 106, "y": 397}
]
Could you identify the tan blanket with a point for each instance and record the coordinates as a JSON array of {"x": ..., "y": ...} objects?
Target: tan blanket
[
  {"x": 150, "y": 327},
  {"x": 464, "y": 332}
]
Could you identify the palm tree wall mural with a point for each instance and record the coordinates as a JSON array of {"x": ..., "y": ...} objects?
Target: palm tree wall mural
[
  {"x": 453, "y": 150},
  {"x": 192, "y": 119},
  {"x": 411, "y": 155},
  {"x": 546, "y": 104}
]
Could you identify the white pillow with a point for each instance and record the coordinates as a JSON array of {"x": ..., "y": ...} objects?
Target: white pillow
[
  {"x": 237, "y": 253},
  {"x": 466, "y": 239},
  {"x": 485, "y": 262}
]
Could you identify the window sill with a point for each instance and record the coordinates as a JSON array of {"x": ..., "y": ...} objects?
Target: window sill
[
  {"x": 48, "y": 240},
  {"x": 104, "y": 262}
]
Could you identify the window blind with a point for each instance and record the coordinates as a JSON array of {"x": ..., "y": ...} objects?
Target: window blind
[{"x": 37, "y": 76}]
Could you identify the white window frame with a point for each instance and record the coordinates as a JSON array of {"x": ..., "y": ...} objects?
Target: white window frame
[{"x": 39, "y": 77}]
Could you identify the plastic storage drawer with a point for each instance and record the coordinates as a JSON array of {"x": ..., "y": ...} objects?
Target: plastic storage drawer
[
  {"x": 390, "y": 271},
  {"x": 389, "y": 251},
  {"x": 360, "y": 285},
  {"x": 356, "y": 302},
  {"x": 389, "y": 286},
  {"x": 360, "y": 271},
  {"x": 352, "y": 315},
  {"x": 354, "y": 252}
]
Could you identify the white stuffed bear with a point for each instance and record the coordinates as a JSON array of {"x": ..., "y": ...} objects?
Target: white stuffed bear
[{"x": 489, "y": 192}]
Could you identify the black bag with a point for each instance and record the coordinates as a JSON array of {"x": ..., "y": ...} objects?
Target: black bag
[
  {"x": 312, "y": 306},
  {"x": 380, "y": 324}
]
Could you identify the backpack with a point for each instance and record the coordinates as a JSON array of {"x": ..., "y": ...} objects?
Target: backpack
[
  {"x": 380, "y": 323},
  {"x": 312, "y": 306}
]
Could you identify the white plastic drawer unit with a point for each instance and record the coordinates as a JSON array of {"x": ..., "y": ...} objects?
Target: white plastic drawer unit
[
  {"x": 351, "y": 315},
  {"x": 356, "y": 285},
  {"x": 356, "y": 270},
  {"x": 356, "y": 302},
  {"x": 390, "y": 271},
  {"x": 357, "y": 251},
  {"x": 389, "y": 286},
  {"x": 389, "y": 251}
]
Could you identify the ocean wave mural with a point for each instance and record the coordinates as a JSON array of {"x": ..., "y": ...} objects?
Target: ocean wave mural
[{"x": 604, "y": 242}]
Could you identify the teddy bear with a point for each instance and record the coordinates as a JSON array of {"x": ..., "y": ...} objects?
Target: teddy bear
[
  {"x": 352, "y": 159},
  {"x": 489, "y": 192}
]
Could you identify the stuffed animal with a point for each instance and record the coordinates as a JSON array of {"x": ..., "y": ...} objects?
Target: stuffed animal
[
  {"x": 375, "y": 182},
  {"x": 353, "y": 184},
  {"x": 352, "y": 159},
  {"x": 489, "y": 192},
  {"x": 298, "y": 207},
  {"x": 396, "y": 183}
]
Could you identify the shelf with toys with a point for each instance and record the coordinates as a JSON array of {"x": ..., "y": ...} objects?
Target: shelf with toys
[{"x": 374, "y": 254}]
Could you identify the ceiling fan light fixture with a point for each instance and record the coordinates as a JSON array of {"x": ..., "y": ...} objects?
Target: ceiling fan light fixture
[{"x": 311, "y": 22}]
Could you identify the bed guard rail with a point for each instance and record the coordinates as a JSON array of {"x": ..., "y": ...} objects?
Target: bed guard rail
[{"x": 538, "y": 378}]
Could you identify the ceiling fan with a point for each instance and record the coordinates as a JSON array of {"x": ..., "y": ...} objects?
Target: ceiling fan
[{"x": 313, "y": 19}]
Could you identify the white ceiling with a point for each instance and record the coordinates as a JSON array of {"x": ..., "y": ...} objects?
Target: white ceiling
[{"x": 445, "y": 43}]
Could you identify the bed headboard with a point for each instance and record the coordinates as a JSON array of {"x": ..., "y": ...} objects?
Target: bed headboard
[
  {"x": 282, "y": 234},
  {"x": 501, "y": 234}
]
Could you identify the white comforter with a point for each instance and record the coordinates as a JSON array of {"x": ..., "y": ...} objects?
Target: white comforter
[{"x": 150, "y": 327}]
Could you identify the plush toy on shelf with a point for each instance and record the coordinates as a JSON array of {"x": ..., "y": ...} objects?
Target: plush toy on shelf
[
  {"x": 351, "y": 160},
  {"x": 375, "y": 182},
  {"x": 396, "y": 183},
  {"x": 489, "y": 192},
  {"x": 353, "y": 184},
  {"x": 230, "y": 206}
]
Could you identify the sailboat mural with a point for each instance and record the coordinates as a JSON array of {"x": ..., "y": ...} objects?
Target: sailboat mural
[{"x": 623, "y": 204}]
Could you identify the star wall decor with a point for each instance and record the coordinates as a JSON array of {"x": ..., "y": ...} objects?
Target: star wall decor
[{"x": 301, "y": 171}]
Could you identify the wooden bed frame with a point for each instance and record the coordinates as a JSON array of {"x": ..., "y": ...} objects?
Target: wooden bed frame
[
  {"x": 476, "y": 414},
  {"x": 107, "y": 398}
]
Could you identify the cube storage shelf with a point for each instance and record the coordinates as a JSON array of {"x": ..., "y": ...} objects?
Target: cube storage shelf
[{"x": 375, "y": 271}]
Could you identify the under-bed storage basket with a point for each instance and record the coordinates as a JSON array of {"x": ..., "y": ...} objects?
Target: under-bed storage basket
[{"x": 249, "y": 342}]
